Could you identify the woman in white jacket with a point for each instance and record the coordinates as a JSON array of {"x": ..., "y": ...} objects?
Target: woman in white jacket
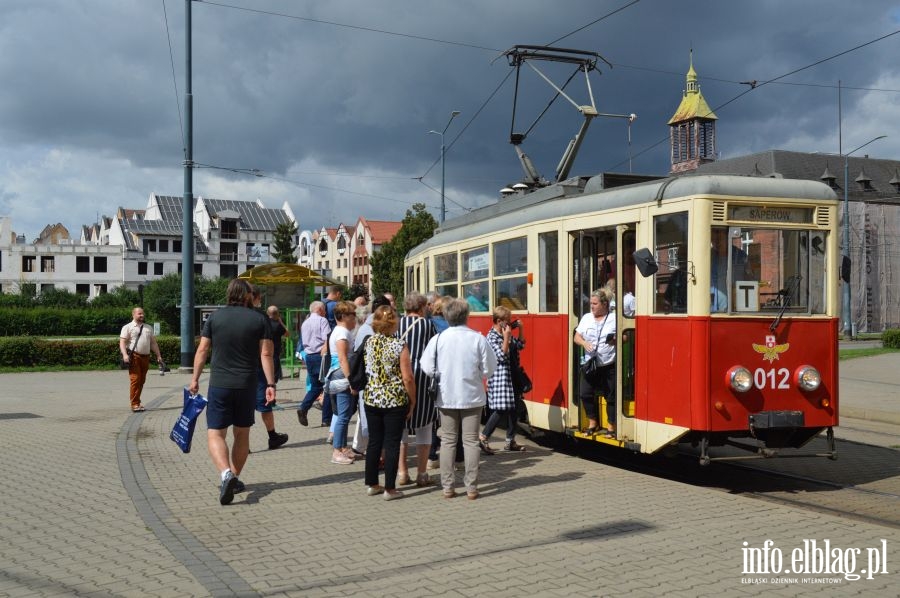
[{"x": 463, "y": 360}]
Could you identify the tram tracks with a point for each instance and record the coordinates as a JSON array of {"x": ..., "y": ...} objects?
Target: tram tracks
[
  {"x": 853, "y": 501},
  {"x": 863, "y": 484}
]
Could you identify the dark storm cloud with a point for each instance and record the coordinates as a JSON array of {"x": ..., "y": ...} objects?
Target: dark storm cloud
[{"x": 88, "y": 85}]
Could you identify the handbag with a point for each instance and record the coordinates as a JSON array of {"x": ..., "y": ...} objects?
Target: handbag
[
  {"x": 125, "y": 365},
  {"x": 358, "y": 376},
  {"x": 183, "y": 431},
  {"x": 433, "y": 386},
  {"x": 520, "y": 380},
  {"x": 593, "y": 363},
  {"x": 326, "y": 361},
  {"x": 591, "y": 366}
]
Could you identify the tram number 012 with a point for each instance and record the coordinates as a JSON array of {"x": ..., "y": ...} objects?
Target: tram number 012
[{"x": 772, "y": 379}]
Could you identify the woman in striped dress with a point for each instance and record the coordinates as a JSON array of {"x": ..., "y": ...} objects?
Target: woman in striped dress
[{"x": 417, "y": 330}]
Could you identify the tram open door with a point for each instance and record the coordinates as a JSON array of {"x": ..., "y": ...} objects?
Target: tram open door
[{"x": 603, "y": 257}]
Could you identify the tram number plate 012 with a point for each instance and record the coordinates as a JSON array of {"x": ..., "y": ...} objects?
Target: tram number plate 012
[{"x": 772, "y": 379}]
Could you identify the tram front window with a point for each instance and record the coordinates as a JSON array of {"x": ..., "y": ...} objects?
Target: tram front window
[{"x": 767, "y": 270}]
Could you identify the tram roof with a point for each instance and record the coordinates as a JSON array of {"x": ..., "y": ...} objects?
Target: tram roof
[{"x": 582, "y": 194}]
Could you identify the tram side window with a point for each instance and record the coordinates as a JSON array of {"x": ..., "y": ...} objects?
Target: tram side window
[
  {"x": 474, "y": 274},
  {"x": 671, "y": 252},
  {"x": 548, "y": 259},
  {"x": 510, "y": 268},
  {"x": 446, "y": 274}
]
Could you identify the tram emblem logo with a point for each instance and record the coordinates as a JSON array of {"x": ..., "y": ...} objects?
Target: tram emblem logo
[{"x": 770, "y": 351}]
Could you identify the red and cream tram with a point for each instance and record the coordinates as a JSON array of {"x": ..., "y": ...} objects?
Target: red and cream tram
[{"x": 734, "y": 282}]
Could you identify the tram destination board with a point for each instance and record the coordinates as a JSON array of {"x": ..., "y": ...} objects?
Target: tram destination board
[{"x": 778, "y": 215}]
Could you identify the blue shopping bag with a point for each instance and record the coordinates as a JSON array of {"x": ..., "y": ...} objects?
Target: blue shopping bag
[{"x": 183, "y": 432}]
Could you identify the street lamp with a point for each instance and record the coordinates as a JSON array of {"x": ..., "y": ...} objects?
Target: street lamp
[
  {"x": 453, "y": 115},
  {"x": 845, "y": 253}
]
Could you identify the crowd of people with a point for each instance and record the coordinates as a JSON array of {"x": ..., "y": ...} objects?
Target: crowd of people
[{"x": 429, "y": 378}]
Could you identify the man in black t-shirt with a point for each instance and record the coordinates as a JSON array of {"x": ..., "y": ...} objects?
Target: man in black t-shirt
[{"x": 240, "y": 339}]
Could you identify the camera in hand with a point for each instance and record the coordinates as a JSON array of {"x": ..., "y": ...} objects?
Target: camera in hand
[{"x": 514, "y": 324}]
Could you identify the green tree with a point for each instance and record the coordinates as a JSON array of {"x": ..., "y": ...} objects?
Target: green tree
[
  {"x": 161, "y": 297},
  {"x": 121, "y": 296},
  {"x": 284, "y": 243},
  {"x": 387, "y": 263}
]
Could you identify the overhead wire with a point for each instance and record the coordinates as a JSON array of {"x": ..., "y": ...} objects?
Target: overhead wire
[
  {"x": 357, "y": 27},
  {"x": 174, "y": 81},
  {"x": 500, "y": 85},
  {"x": 255, "y": 172}
]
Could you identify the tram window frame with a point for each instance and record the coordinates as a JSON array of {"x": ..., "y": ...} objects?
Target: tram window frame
[
  {"x": 468, "y": 259},
  {"x": 548, "y": 271},
  {"x": 446, "y": 274},
  {"x": 779, "y": 269},
  {"x": 409, "y": 278},
  {"x": 475, "y": 266},
  {"x": 510, "y": 266},
  {"x": 442, "y": 268},
  {"x": 512, "y": 292},
  {"x": 510, "y": 256},
  {"x": 671, "y": 281}
]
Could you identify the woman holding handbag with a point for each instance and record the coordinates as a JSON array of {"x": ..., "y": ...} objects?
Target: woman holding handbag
[
  {"x": 596, "y": 334},
  {"x": 340, "y": 344},
  {"x": 501, "y": 392}
]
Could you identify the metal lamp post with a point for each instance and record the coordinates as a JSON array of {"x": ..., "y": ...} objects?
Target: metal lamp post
[
  {"x": 453, "y": 115},
  {"x": 845, "y": 253}
]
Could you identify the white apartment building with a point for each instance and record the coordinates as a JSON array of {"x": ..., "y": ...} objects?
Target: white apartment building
[{"x": 139, "y": 246}]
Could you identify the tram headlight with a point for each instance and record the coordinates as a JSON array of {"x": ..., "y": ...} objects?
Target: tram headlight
[
  {"x": 807, "y": 378},
  {"x": 739, "y": 379}
]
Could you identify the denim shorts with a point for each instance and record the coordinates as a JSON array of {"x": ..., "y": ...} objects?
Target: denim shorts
[{"x": 230, "y": 407}]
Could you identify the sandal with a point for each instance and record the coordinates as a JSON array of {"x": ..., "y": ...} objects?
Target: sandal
[
  {"x": 423, "y": 480},
  {"x": 342, "y": 460},
  {"x": 449, "y": 493},
  {"x": 472, "y": 494},
  {"x": 403, "y": 480},
  {"x": 485, "y": 447},
  {"x": 138, "y": 409},
  {"x": 512, "y": 446}
]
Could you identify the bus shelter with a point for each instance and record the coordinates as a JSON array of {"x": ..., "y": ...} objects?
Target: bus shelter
[{"x": 292, "y": 288}]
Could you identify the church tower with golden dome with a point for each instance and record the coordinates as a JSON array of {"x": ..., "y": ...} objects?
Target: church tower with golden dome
[{"x": 692, "y": 138}]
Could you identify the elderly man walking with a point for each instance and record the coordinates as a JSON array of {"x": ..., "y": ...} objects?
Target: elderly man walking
[
  {"x": 313, "y": 334},
  {"x": 240, "y": 339}
]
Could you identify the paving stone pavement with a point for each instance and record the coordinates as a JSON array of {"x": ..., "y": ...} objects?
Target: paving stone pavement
[{"x": 99, "y": 502}]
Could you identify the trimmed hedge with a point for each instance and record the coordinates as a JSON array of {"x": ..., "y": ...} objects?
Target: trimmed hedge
[
  {"x": 891, "y": 338},
  {"x": 56, "y": 322},
  {"x": 99, "y": 354}
]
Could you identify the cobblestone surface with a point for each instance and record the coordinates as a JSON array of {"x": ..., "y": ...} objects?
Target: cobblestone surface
[{"x": 99, "y": 502}]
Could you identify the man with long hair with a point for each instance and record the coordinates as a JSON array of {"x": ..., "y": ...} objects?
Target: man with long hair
[{"x": 240, "y": 339}]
